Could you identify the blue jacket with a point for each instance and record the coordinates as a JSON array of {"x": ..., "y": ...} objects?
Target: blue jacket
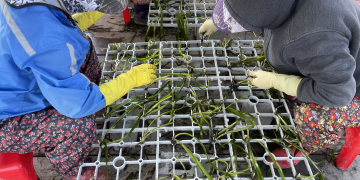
[{"x": 41, "y": 53}]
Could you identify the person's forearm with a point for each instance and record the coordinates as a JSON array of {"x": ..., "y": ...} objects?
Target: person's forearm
[{"x": 118, "y": 87}]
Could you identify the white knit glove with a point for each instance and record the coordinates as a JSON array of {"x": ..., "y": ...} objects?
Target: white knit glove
[{"x": 207, "y": 29}]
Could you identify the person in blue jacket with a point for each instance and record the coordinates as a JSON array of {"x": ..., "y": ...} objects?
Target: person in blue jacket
[{"x": 49, "y": 74}]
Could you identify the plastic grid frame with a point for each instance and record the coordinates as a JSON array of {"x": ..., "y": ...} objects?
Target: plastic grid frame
[
  {"x": 254, "y": 101},
  {"x": 198, "y": 8}
]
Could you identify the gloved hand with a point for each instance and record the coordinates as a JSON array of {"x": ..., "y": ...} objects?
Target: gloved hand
[
  {"x": 207, "y": 28},
  {"x": 122, "y": 84},
  {"x": 267, "y": 80},
  {"x": 86, "y": 19}
]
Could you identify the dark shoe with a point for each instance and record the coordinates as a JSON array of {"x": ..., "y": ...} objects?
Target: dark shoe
[{"x": 141, "y": 13}]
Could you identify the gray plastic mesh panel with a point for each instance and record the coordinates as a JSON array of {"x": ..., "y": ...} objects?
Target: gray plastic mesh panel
[
  {"x": 157, "y": 153},
  {"x": 197, "y": 10}
]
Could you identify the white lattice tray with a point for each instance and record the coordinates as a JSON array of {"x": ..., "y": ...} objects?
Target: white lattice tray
[
  {"x": 157, "y": 154},
  {"x": 197, "y": 12}
]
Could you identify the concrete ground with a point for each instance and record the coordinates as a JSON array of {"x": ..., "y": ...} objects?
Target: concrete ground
[{"x": 111, "y": 29}]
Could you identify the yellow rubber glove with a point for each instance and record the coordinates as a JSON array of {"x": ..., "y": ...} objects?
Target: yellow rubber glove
[
  {"x": 122, "y": 84},
  {"x": 266, "y": 80},
  {"x": 207, "y": 29},
  {"x": 86, "y": 19}
]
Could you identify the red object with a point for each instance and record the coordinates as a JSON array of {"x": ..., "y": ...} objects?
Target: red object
[
  {"x": 289, "y": 96},
  {"x": 17, "y": 166},
  {"x": 282, "y": 153},
  {"x": 126, "y": 15},
  {"x": 350, "y": 150}
]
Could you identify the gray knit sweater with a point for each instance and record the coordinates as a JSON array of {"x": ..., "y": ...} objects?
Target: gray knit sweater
[{"x": 316, "y": 39}]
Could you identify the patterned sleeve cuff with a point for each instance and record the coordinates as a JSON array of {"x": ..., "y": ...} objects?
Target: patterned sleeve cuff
[{"x": 233, "y": 26}]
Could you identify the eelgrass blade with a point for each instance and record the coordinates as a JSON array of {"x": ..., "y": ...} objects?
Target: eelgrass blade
[
  {"x": 125, "y": 65},
  {"x": 122, "y": 116},
  {"x": 299, "y": 176},
  {"x": 152, "y": 22},
  {"x": 106, "y": 156},
  {"x": 128, "y": 134},
  {"x": 157, "y": 103},
  {"x": 274, "y": 160},
  {"x": 166, "y": 177},
  {"x": 106, "y": 159},
  {"x": 211, "y": 136},
  {"x": 115, "y": 107},
  {"x": 234, "y": 150},
  {"x": 293, "y": 133},
  {"x": 176, "y": 177},
  {"x": 253, "y": 159},
  {"x": 147, "y": 133},
  {"x": 287, "y": 126},
  {"x": 226, "y": 174},
  {"x": 158, "y": 109},
  {"x": 197, "y": 163},
  {"x": 182, "y": 166},
  {"x": 201, "y": 144},
  {"x": 114, "y": 55},
  {"x": 186, "y": 27},
  {"x": 277, "y": 142},
  {"x": 320, "y": 175},
  {"x": 130, "y": 176},
  {"x": 242, "y": 115},
  {"x": 161, "y": 35}
]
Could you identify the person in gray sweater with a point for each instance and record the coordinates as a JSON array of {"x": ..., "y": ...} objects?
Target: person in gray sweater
[{"x": 314, "y": 47}]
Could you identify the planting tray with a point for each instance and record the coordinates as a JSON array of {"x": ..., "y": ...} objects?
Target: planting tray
[
  {"x": 157, "y": 156},
  {"x": 197, "y": 12}
]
